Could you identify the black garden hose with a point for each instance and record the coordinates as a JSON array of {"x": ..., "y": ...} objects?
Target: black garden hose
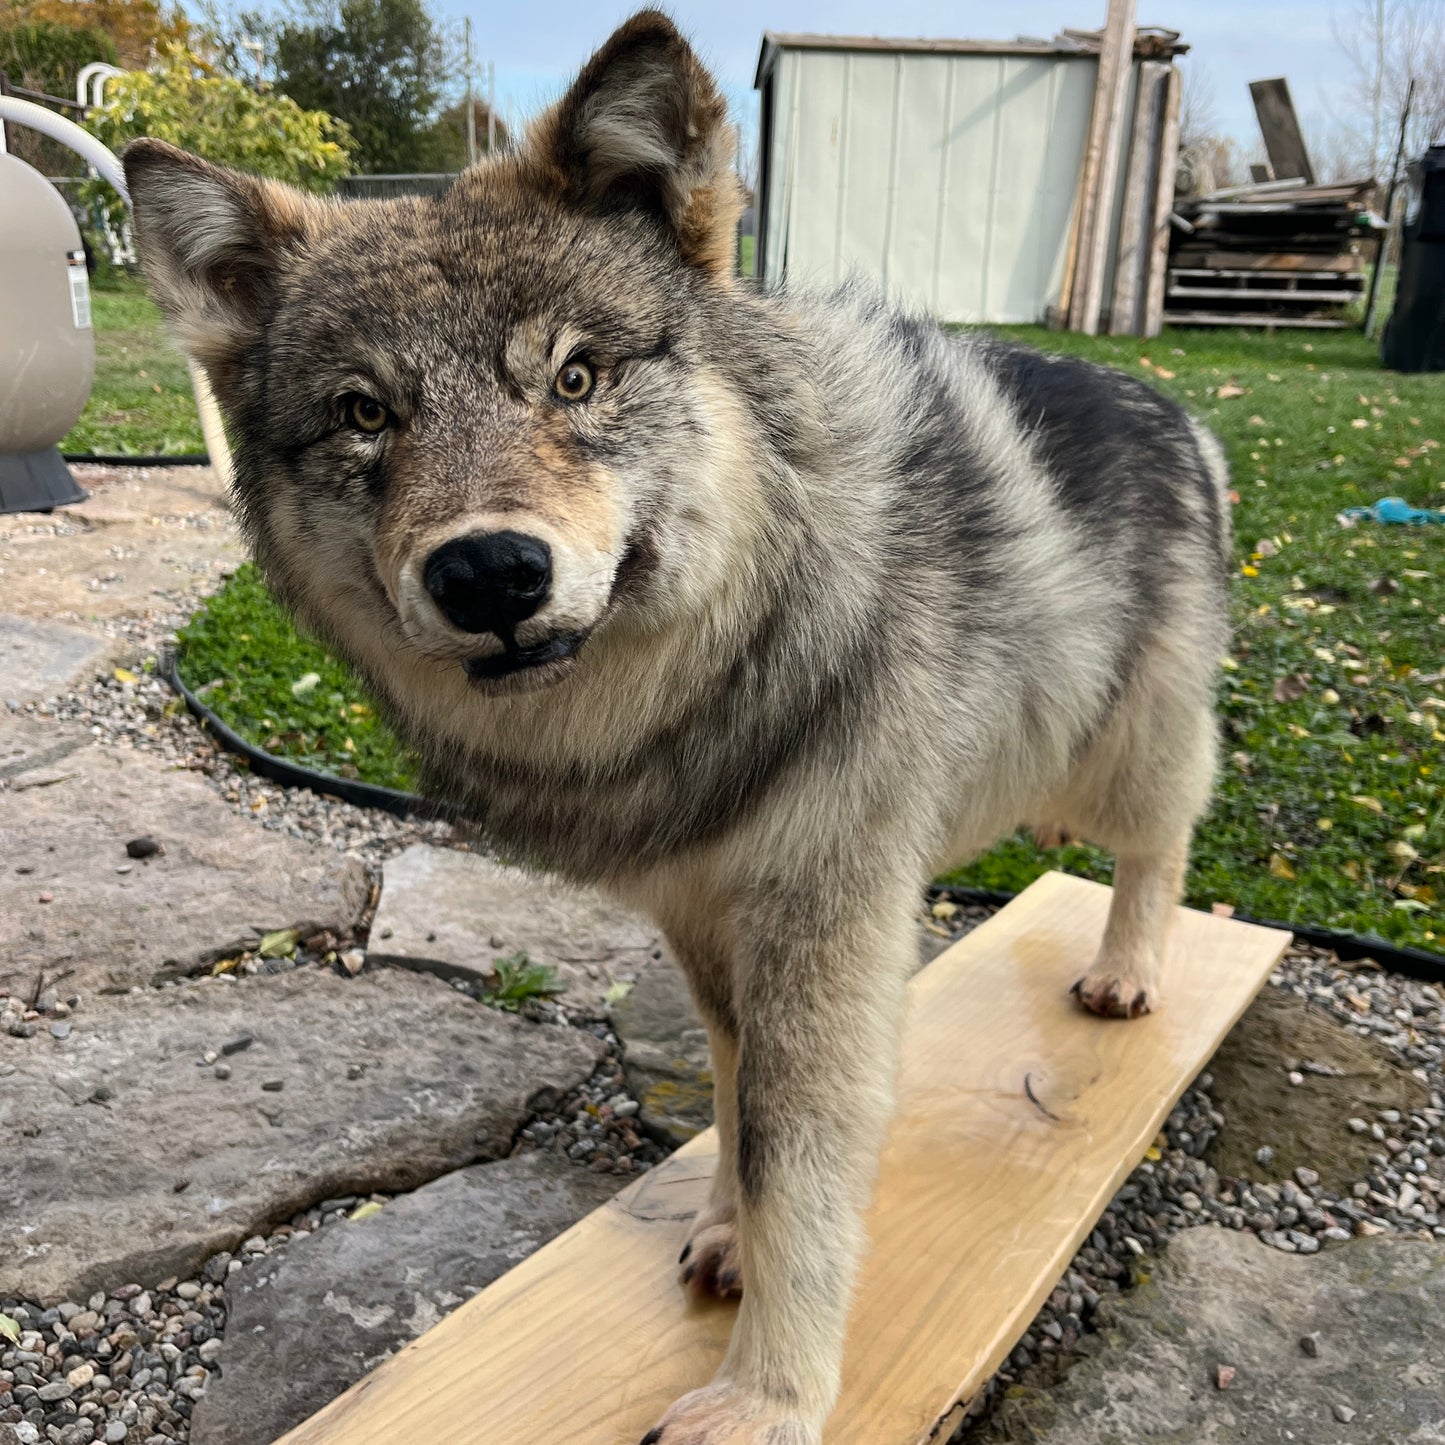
[
  {"x": 1347, "y": 947},
  {"x": 123, "y": 459},
  {"x": 293, "y": 775}
]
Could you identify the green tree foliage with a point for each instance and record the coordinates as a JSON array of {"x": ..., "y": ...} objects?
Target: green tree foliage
[
  {"x": 449, "y": 135},
  {"x": 46, "y": 56},
  {"x": 379, "y": 65},
  {"x": 224, "y": 120}
]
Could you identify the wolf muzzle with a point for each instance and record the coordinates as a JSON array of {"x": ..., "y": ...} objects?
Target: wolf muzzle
[{"x": 490, "y": 582}]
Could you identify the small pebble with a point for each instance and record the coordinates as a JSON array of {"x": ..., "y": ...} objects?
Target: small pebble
[
  {"x": 1310, "y": 1344},
  {"x": 142, "y": 848},
  {"x": 1344, "y": 1414},
  {"x": 1223, "y": 1377}
]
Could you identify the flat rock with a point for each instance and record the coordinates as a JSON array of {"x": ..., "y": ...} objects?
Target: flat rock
[
  {"x": 144, "y": 538},
  {"x": 300, "y": 1331},
  {"x": 39, "y": 658},
  {"x": 125, "y": 1158},
  {"x": 665, "y": 1053},
  {"x": 35, "y": 745},
  {"x": 220, "y": 878},
  {"x": 1220, "y": 1298},
  {"x": 1344, "y": 1075},
  {"x": 455, "y": 914}
]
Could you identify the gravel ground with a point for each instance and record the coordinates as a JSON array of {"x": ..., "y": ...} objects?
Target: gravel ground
[
  {"x": 138, "y": 1357},
  {"x": 1175, "y": 1189},
  {"x": 128, "y": 1366}
]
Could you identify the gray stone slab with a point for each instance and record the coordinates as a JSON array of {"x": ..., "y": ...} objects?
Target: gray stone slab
[
  {"x": 39, "y": 658},
  {"x": 665, "y": 1053},
  {"x": 1343, "y": 1075},
  {"x": 221, "y": 877},
  {"x": 301, "y": 1330},
  {"x": 34, "y": 745},
  {"x": 1220, "y": 1298},
  {"x": 455, "y": 914},
  {"x": 125, "y": 1158}
]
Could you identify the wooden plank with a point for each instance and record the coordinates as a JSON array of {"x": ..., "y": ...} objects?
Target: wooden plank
[
  {"x": 1204, "y": 254},
  {"x": 1260, "y": 293},
  {"x": 1280, "y": 126},
  {"x": 1131, "y": 278},
  {"x": 1345, "y": 275},
  {"x": 1101, "y": 165},
  {"x": 1254, "y": 320},
  {"x": 1019, "y": 1116},
  {"x": 1163, "y": 206}
]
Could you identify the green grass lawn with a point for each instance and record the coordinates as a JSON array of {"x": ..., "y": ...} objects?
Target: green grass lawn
[
  {"x": 142, "y": 401},
  {"x": 1328, "y": 809}
]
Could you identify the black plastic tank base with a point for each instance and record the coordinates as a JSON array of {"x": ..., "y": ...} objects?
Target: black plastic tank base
[
  {"x": 1414, "y": 338},
  {"x": 36, "y": 482}
]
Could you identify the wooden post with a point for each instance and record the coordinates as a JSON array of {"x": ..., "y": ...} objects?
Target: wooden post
[
  {"x": 1101, "y": 165},
  {"x": 1136, "y": 221},
  {"x": 1163, "y": 205},
  {"x": 1279, "y": 125}
]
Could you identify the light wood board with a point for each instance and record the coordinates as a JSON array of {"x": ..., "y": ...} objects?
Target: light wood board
[{"x": 1019, "y": 1116}]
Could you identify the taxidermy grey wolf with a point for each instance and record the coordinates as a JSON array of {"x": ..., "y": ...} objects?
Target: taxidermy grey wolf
[{"x": 754, "y": 607}]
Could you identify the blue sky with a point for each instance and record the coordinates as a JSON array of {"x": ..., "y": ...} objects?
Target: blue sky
[{"x": 536, "y": 47}]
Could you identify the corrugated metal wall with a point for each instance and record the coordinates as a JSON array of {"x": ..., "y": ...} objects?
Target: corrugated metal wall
[{"x": 949, "y": 178}]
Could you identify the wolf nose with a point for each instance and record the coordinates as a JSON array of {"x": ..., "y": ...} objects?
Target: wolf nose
[{"x": 489, "y": 582}]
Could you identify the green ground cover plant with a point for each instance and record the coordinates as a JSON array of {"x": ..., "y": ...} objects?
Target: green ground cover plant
[{"x": 284, "y": 692}]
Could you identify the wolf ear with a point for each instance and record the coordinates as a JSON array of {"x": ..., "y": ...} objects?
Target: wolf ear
[
  {"x": 643, "y": 125},
  {"x": 213, "y": 244}
]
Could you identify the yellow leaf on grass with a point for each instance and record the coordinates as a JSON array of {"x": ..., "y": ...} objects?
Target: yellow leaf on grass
[
  {"x": 1373, "y": 804},
  {"x": 1279, "y": 866}
]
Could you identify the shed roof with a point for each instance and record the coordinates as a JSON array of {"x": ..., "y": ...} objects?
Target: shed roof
[{"x": 1151, "y": 43}]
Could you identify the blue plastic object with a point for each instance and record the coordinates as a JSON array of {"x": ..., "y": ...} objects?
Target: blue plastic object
[{"x": 1395, "y": 509}]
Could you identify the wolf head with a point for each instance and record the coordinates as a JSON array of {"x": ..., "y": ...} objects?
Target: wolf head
[{"x": 461, "y": 424}]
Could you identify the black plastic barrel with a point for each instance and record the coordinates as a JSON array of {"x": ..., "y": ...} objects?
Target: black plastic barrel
[{"x": 1414, "y": 338}]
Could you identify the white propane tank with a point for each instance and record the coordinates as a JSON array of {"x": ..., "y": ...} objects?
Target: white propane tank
[{"x": 47, "y": 347}]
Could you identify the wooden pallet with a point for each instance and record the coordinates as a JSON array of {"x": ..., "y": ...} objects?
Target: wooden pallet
[{"x": 1019, "y": 1117}]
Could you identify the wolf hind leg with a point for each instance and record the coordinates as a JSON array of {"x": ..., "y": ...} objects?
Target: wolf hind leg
[{"x": 1141, "y": 794}]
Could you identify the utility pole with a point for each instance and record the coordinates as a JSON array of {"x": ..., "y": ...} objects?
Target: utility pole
[
  {"x": 491, "y": 107},
  {"x": 258, "y": 49},
  {"x": 471, "y": 108}
]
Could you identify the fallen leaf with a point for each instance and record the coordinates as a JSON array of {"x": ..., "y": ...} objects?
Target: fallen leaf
[
  {"x": 10, "y": 1329},
  {"x": 304, "y": 684},
  {"x": 124, "y": 674},
  {"x": 616, "y": 993},
  {"x": 1291, "y": 688},
  {"x": 364, "y": 1211},
  {"x": 280, "y": 944},
  {"x": 1279, "y": 866},
  {"x": 1373, "y": 804},
  {"x": 1229, "y": 391}
]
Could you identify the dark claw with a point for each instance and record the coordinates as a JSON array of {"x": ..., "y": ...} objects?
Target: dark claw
[
  {"x": 1078, "y": 989},
  {"x": 688, "y": 1273},
  {"x": 652, "y": 1436},
  {"x": 686, "y": 1250},
  {"x": 727, "y": 1279}
]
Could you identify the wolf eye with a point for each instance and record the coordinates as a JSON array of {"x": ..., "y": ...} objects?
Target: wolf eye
[
  {"x": 368, "y": 415},
  {"x": 574, "y": 382}
]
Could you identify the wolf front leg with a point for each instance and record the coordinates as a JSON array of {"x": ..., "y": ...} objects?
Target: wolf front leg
[{"x": 818, "y": 1009}]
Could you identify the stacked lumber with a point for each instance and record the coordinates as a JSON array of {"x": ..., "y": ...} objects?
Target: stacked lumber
[{"x": 1281, "y": 253}]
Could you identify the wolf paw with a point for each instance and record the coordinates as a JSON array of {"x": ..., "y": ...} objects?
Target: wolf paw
[
  {"x": 1114, "y": 993},
  {"x": 725, "y": 1415},
  {"x": 711, "y": 1262}
]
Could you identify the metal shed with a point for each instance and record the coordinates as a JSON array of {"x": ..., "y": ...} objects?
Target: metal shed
[{"x": 948, "y": 170}]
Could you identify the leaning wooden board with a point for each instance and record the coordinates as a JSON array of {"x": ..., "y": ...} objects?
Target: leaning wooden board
[{"x": 1018, "y": 1118}]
